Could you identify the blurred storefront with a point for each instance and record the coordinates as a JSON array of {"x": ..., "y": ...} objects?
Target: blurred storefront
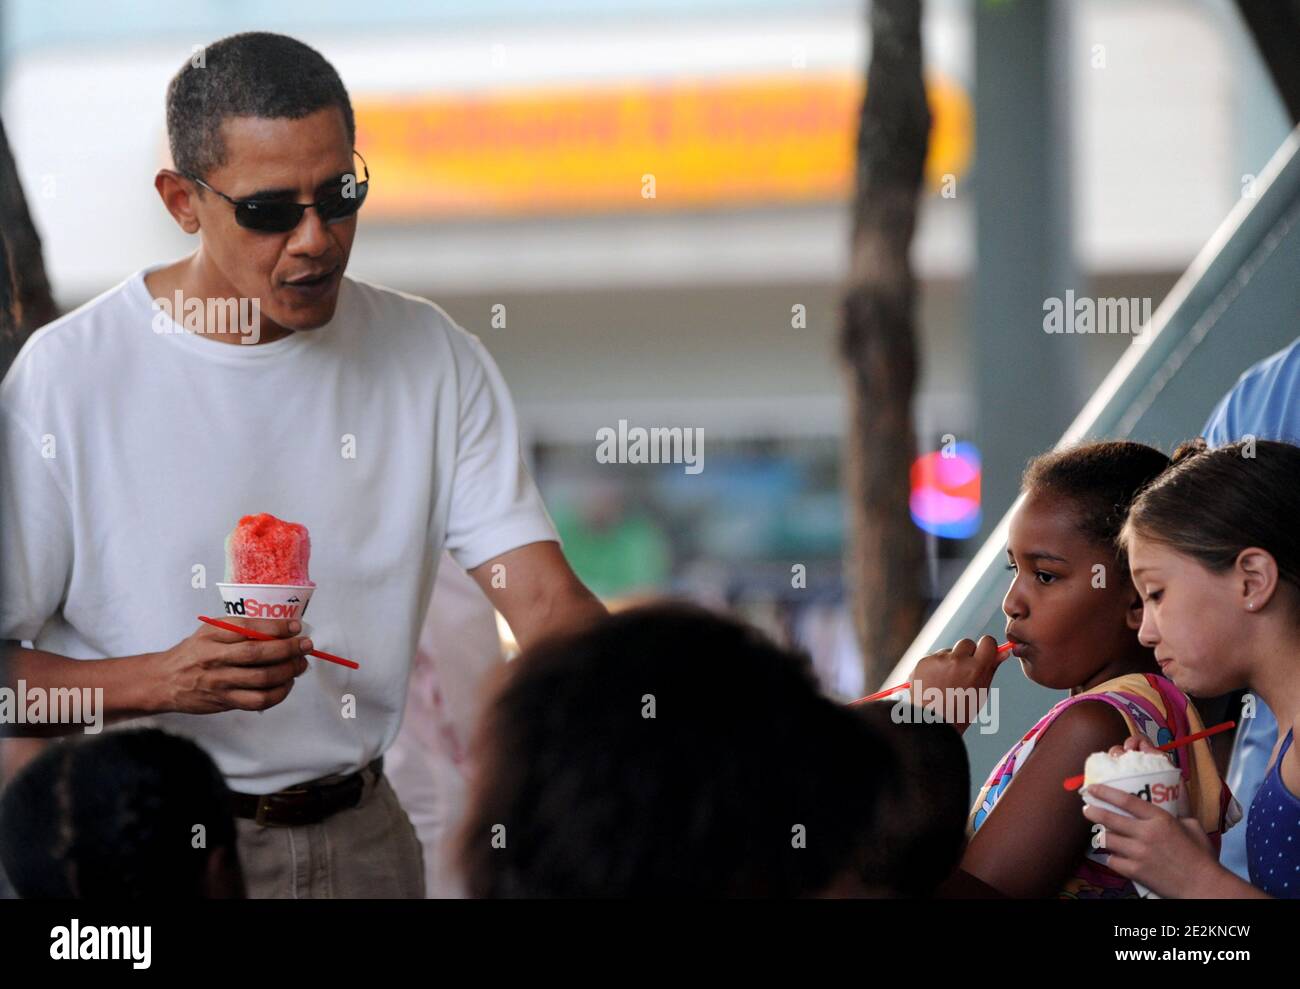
[{"x": 641, "y": 209}]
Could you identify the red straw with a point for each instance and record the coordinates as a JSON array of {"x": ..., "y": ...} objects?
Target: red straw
[
  {"x": 903, "y": 686},
  {"x": 252, "y": 634},
  {"x": 1074, "y": 782}
]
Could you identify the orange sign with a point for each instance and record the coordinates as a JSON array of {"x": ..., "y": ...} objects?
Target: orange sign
[{"x": 766, "y": 140}]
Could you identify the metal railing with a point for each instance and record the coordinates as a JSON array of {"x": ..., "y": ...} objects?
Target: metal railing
[{"x": 1237, "y": 303}]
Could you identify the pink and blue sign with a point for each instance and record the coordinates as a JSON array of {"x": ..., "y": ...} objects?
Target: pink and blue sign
[{"x": 945, "y": 498}]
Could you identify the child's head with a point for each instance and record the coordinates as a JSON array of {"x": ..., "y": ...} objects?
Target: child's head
[
  {"x": 670, "y": 751},
  {"x": 112, "y": 816},
  {"x": 1071, "y": 606},
  {"x": 1214, "y": 547}
]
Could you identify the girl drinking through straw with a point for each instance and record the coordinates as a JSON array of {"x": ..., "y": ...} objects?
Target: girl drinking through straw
[
  {"x": 1072, "y": 616},
  {"x": 1214, "y": 546}
]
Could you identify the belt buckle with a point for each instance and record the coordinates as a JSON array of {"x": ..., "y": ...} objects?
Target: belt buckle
[{"x": 264, "y": 804}]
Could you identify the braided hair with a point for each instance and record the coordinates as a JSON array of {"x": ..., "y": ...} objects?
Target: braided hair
[{"x": 115, "y": 817}]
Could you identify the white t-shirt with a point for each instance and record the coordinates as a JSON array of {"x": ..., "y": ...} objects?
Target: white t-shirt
[{"x": 127, "y": 455}]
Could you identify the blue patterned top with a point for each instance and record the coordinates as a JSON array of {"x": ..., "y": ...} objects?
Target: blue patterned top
[{"x": 1273, "y": 834}]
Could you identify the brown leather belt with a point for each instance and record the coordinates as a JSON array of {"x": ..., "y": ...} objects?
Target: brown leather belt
[{"x": 310, "y": 803}]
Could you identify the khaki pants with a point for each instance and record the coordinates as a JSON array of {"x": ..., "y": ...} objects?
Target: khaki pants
[{"x": 369, "y": 851}]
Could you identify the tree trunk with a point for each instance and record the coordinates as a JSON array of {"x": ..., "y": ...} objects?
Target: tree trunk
[{"x": 878, "y": 347}]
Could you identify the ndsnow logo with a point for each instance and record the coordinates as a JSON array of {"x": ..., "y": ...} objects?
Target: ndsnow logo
[
  {"x": 77, "y": 943},
  {"x": 1159, "y": 793},
  {"x": 253, "y": 608}
]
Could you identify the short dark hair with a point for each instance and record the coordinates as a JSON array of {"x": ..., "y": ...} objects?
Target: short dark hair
[
  {"x": 1101, "y": 479},
  {"x": 597, "y": 799},
  {"x": 113, "y": 817},
  {"x": 255, "y": 74}
]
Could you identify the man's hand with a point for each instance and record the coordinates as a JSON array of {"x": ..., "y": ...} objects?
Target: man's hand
[
  {"x": 215, "y": 670},
  {"x": 966, "y": 664}
]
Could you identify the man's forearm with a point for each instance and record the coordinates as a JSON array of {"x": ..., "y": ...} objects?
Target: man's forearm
[
  {"x": 543, "y": 596},
  {"x": 559, "y": 614},
  {"x": 126, "y": 685}
]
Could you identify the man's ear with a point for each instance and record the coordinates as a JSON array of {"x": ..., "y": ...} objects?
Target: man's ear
[
  {"x": 1133, "y": 616},
  {"x": 178, "y": 194}
]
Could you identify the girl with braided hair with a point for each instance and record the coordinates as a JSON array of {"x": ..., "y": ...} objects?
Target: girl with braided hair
[{"x": 131, "y": 814}]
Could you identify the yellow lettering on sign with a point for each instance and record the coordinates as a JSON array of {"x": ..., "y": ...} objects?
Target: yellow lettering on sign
[{"x": 784, "y": 139}]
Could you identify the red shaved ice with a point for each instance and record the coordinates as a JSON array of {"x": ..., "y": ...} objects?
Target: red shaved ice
[{"x": 263, "y": 549}]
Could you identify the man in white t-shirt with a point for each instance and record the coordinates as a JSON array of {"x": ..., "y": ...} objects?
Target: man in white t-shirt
[{"x": 253, "y": 376}]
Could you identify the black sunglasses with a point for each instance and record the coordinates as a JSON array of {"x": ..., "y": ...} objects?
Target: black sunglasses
[{"x": 273, "y": 216}]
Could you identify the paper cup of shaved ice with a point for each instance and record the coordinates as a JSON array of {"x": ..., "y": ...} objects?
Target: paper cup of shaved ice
[
  {"x": 266, "y": 569},
  {"x": 1148, "y": 775}
]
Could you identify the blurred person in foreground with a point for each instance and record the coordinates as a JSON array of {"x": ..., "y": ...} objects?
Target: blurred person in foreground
[
  {"x": 671, "y": 751},
  {"x": 132, "y": 814}
]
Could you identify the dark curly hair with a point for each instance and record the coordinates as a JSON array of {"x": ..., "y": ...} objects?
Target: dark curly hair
[
  {"x": 1101, "y": 480},
  {"x": 578, "y": 793},
  {"x": 113, "y": 817}
]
